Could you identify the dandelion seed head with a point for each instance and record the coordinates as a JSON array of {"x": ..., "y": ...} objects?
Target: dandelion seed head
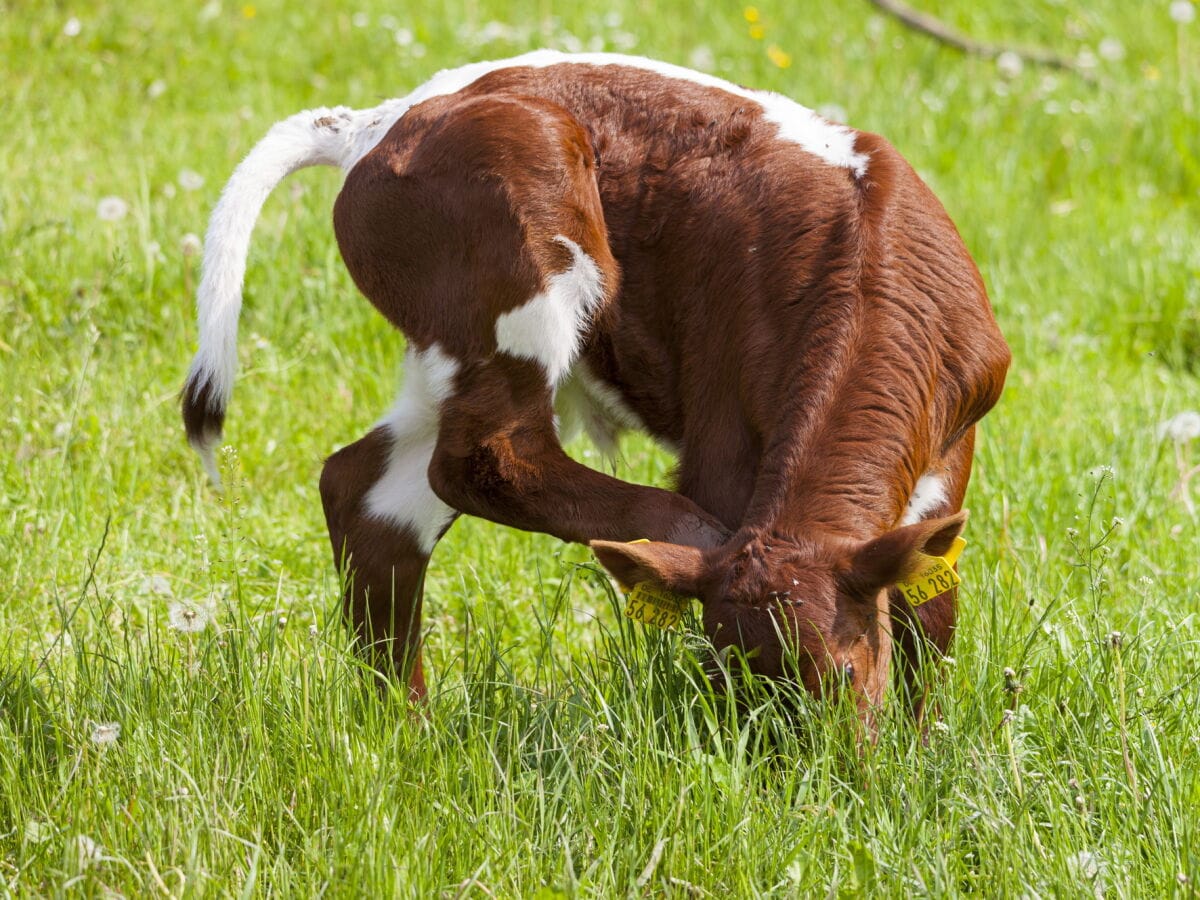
[
  {"x": 112, "y": 209},
  {"x": 190, "y": 180},
  {"x": 360, "y": 20},
  {"x": 190, "y": 244},
  {"x": 72, "y": 27},
  {"x": 104, "y": 733},
  {"x": 702, "y": 58},
  {"x": 1182, "y": 12},
  {"x": 89, "y": 850},
  {"x": 188, "y": 618},
  {"x": 1111, "y": 49},
  {"x": 1180, "y": 428},
  {"x": 156, "y": 89},
  {"x": 1009, "y": 64}
]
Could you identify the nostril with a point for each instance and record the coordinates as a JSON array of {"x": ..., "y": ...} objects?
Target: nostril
[{"x": 848, "y": 673}]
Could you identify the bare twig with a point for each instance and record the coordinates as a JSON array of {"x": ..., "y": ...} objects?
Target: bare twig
[{"x": 940, "y": 31}]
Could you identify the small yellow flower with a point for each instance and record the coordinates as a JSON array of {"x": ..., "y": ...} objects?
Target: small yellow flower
[
  {"x": 779, "y": 56},
  {"x": 1151, "y": 73},
  {"x": 249, "y": 11},
  {"x": 751, "y": 14},
  {"x": 757, "y": 32}
]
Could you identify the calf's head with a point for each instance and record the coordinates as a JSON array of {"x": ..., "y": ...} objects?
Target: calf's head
[{"x": 811, "y": 608}]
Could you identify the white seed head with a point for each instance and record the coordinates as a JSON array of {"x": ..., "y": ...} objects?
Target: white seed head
[
  {"x": 89, "y": 850},
  {"x": 189, "y": 618},
  {"x": 1009, "y": 64},
  {"x": 111, "y": 209},
  {"x": 1180, "y": 428},
  {"x": 104, "y": 733},
  {"x": 190, "y": 180},
  {"x": 1183, "y": 12}
]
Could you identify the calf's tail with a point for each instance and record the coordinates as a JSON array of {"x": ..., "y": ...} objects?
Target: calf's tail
[{"x": 332, "y": 137}]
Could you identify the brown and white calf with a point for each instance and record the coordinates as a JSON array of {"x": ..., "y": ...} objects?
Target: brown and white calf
[{"x": 614, "y": 242}]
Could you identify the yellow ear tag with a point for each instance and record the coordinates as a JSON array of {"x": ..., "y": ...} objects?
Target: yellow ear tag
[
  {"x": 652, "y": 605},
  {"x": 933, "y": 576}
]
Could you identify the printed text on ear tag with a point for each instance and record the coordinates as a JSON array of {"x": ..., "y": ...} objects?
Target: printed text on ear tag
[
  {"x": 652, "y": 605},
  {"x": 935, "y": 575}
]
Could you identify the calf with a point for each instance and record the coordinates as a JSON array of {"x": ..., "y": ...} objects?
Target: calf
[{"x": 612, "y": 242}]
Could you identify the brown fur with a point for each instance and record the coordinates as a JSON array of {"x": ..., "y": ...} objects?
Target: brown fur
[{"x": 812, "y": 343}]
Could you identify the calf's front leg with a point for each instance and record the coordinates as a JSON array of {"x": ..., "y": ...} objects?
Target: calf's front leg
[{"x": 498, "y": 457}]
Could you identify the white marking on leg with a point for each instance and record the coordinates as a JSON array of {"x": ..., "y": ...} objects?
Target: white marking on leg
[
  {"x": 547, "y": 328},
  {"x": 929, "y": 493},
  {"x": 402, "y": 496}
]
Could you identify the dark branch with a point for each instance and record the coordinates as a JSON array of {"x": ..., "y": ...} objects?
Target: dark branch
[{"x": 940, "y": 31}]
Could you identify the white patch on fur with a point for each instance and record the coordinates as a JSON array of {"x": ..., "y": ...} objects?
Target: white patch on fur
[
  {"x": 929, "y": 493},
  {"x": 547, "y": 328},
  {"x": 402, "y": 496},
  {"x": 585, "y": 403}
]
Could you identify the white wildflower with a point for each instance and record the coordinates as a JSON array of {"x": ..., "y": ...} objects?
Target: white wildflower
[
  {"x": 73, "y": 26},
  {"x": 1111, "y": 49},
  {"x": 190, "y": 180},
  {"x": 156, "y": 89},
  {"x": 189, "y": 618},
  {"x": 104, "y": 733},
  {"x": 1180, "y": 428},
  {"x": 112, "y": 209},
  {"x": 168, "y": 190},
  {"x": 1010, "y": 64},
  {"x": 210, "y": 10},
  {"x": 403, "y": 36},
  {"x": 190, "y": 244},
  {"x": 1183, "y": 12}
]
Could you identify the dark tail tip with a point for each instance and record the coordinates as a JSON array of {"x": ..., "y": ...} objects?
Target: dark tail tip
[
  {"x": 204, "y": 419},
  {"x": 203, "y": 415}
]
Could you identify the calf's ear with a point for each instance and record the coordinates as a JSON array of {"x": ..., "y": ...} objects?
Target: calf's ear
[
  {"x": 894, "y": 556},
  {"x": 676, "y": 567}
]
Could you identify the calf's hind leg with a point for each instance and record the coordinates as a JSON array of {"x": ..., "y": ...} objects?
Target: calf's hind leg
[{"x": 384, "y": 520}]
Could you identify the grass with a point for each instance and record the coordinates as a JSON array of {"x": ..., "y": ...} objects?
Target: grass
[{"x": 566, "y": 751}]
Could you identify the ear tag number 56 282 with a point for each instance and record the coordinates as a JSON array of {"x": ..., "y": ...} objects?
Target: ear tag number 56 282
[{"x": 934, "y": 575}]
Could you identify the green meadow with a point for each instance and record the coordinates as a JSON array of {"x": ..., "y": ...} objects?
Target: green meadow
[{"x": 566, "y": 751}]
